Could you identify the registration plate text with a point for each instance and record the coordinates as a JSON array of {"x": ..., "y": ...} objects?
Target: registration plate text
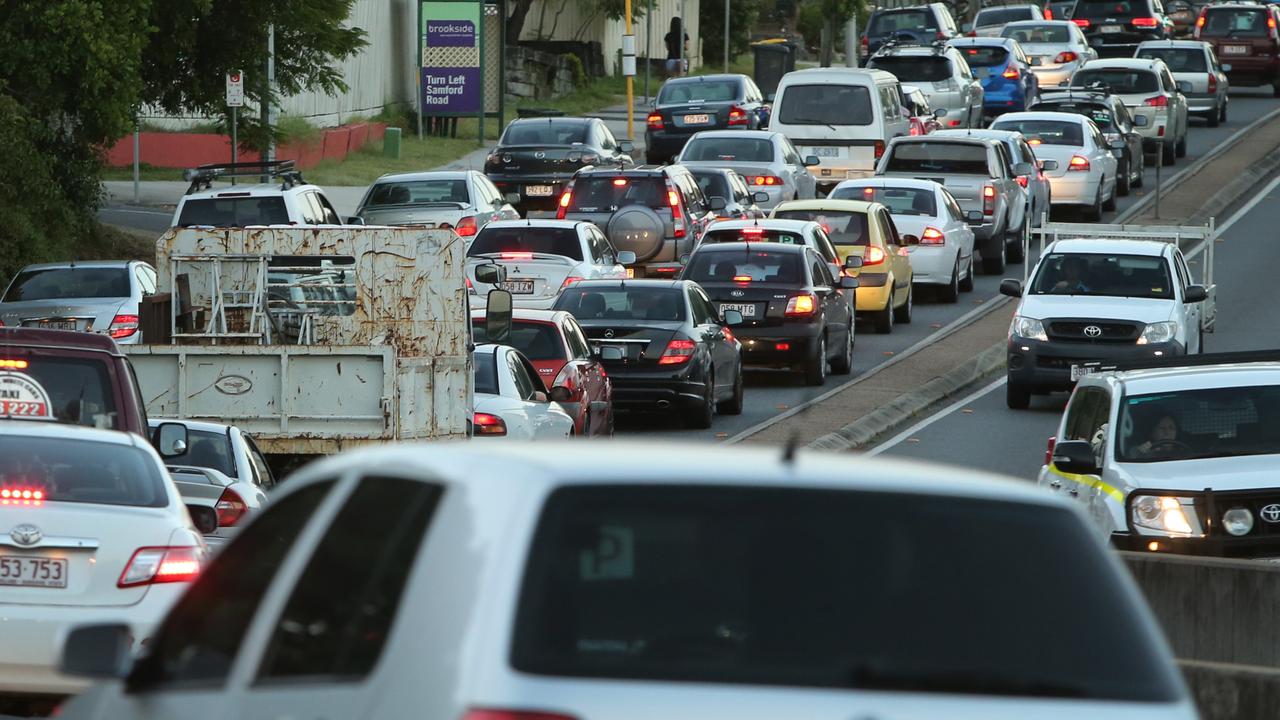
[
  {"x": 33, "y": 571},
  {"x": 539, "y": 190},
  {"x": 829, "y": 152},
  {"x": 517, "y": 287},
  {"x": 1235, "y": 49},
  {"x": 702, "y": 119},
  {"x": 1110, "y": 28},
  {"x": 1078, "y": 371},
  {"x": 746, "y": 309}
]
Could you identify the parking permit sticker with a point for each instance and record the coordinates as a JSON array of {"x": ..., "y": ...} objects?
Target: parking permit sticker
[
  {"x": 20, "y": 396},
  {"x": 613, "y": 558}
]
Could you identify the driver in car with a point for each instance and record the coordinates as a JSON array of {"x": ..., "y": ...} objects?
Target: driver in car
[{"x": 1162, "y": 437}]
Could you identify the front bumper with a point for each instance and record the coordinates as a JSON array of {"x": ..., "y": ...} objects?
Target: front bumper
[
  {"x": 1224, "y": 546},
  {"x": 1074, "y": 188},
  {"x": 760, "y": 346},
  {"x": 1045, "y": 366}
]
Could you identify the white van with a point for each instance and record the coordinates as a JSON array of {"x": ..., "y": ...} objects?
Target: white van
[{"x": 843, "y": 116}]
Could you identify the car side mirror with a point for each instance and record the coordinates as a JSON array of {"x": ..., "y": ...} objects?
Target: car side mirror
[
  {"x": 354, "y": 220},
  {"x": 101, "y": 652},
  {"x": 716, "y": 203},
  {"x": 760, "y": 197},
  {"x": 561, "y": 394},
  {"x": 812, "y": 160},
  {"x": 1048, "y": 164},
  {"x": 1011, "y": 287},
  {"x": 910, "y": 239},
  {"x": 1184, "y": 86},
  {"x": 1195, "y": 294},
  {"x": 940, "y": 112},
  {"x": 171, "y": 439},
  {"x": 849, "y": 283},
  {"x": 1023, "y": 168},
  {"x": 490, "y": 273},
  {"x": 626, "y": 257},
  {"x": 1140, "y": 121},
  {"x": 1226, "y": 68},
  {"x": 1076, "y": 457},
  {"x": 973, "y": 216},
  {"x": 497, "y": 316},
  {"x": 540, "y": 396},
  {"x": 204, "y": 518},
  {"x": 684, "y": 259},
  {"x": 732, "y": 317},
  {"x": 512, "y": 198},
  {"x": 611, "y": 354},
  {"x": 626, "y": 146},
  {"x": 853, "y": 262}
]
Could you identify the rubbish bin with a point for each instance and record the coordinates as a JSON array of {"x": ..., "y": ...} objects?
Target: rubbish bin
[
  {"x": 538, "y": 112},
  {"x": 773, "y": 59}
]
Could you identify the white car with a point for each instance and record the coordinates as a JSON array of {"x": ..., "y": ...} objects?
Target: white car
[
  {"x": 1195, "y": 63},
  {"x": 92, "y": 530},
  {"x": 990, "y": 21},
  {"x": 628, "y": 581},
  {"x": 788, "y": 232},
  {"x": 512, "y": 401},
  {"x": 943, "y": 254},
  {"x": 286, "y": 200},
  {"x": 231, "y": 502},
  {"x": 225, "y": 448},
  {"x": 1056, "y": 48},
  {"x": 541, "y": 258},
  {"x": 1075, "y": 156},
  {"x": 942, "y": 74},
  {"x": 766, "y": 160},
  {"x": 1039, "y": 192}
]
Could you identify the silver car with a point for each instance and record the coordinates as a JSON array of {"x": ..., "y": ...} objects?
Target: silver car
[
  {"x": 1148, "y": 89},
  {"x": 98, "y": 296},
  {"x": 464, "y": 200},
  {"x": 1035, "y": 183},
  {"x": 1195, "y": 63},
  {"x": 1056, "y": 48},
  {"x": 766, "y": 160},
  {"x": 990, "y": 21},
  {"x": 942, "y": 74}
]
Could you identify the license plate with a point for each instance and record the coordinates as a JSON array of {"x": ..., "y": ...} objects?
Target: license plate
[
  {"x": 24, "y": 571},
  {"x": 828, "y": 152},
  {"x": 746, "y": 309},
  {"x": 697, "y": 119},
  {"x": 517, "y": 287},
  {"x": 1110, "y": 29},
  {"x": 1078, "y": 371},
  {"x": 539, "y": 190},
  {"x": 1037, "y": 60},
  {"x": 1235, "y": 49},
  {"x": 53, "y": 324}
]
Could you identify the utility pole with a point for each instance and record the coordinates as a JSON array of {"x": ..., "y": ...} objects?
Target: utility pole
[
  {"x": 726, "y": 36},
  {"x": 270, "y": 97},
  {"x": 629, "y": 69}
]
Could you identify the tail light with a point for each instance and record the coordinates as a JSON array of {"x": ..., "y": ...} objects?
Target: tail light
[
  {"x": 569, "y": 281},
  {"x": 1022, "y": 180},
  {"x": 932, "y": 236},
  {"x": 873, "y": 256},
  {"x": 988, "y": 199},
  {"x": 764, "y": 180},
  {"x": 1080, "y": 22},
  {"x": 1078, "y": 163},
  {"x": 801, "y": 306},
  {"x": 654, "y": 121},
  {"x": 1213, "y": 83},
  {"x": 1200, "y": 22},
  {"x": 866, "y": 47},
  {"x": 1048, "y": 451},
  {"x": 1157, "y": 101},
  {"x": 230, "y": 508},
  {"x": 21, "y": 496},
  {"x": 471, "y": 289},
  {"x": 1145, "y": 22},
  {"x": 879, "y": 149},
  {"x": 737, "y": 116},
  {"x": 915, "y": 129},
  {"x": 972, "y": 33},
  {"x": 467, "y": 227},
  {"x": 122, "y": 326},
  {"x": 489, "y": 425},
  {"x": 939, "y": 35},
  {"x": 1048, "y": 13},
  {"x": 515, "y": 256},
  {"x": 1066, "y": 57},
  {"x": 742, "y": 278},
  {"x": 155, "y": 565},
  {"x": 484, "y": 714},
  {"x": 562, "y": 207},
  {"x": 677, "y": 352},
  {"x": 677, "y": 216},
  {"x": 1010, "y": 73}
]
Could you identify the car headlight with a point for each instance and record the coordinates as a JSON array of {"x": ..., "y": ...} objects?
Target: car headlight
[
  {"x": 1026, "y": 327},
  {"x": 1158, "y": 332},
  {"x": 1165, "y": 515}
]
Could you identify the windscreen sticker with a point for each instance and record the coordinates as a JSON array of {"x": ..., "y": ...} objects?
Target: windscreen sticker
[
  {"x": 613, "y": 558},
  {"x": 21, "y": 396}
]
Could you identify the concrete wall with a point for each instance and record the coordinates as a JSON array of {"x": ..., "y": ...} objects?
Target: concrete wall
[{"x": 533, "y": 74}]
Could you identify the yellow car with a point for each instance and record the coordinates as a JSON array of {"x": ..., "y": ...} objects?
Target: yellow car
[{"x": 884, "y": 293}]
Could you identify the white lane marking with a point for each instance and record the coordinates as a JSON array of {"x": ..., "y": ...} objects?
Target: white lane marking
[
  {"x": 900, "y": 437},
  {"x": 1222, "y": 229}
]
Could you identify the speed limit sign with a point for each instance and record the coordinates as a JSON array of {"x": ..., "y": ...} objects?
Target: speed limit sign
[{"x": 235, "y": 89}]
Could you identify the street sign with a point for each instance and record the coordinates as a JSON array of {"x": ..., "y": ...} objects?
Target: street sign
[{"x": 235, "y": 89}]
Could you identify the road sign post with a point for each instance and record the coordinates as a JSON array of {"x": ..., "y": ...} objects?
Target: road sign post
[{"x": 235, "y": 101}]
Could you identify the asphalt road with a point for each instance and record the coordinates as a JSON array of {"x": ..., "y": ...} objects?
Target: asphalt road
[
  {"x": 769, "y": 392},
  {"x": 980, "y": 432},
  {"x": 139, "y": 218}
]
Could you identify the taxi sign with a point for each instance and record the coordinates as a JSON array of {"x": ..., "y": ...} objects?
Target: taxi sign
[{"x": 21, "y": 396}]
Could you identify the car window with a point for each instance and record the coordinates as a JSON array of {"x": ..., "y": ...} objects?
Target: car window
[
  {"x": 201, "y": 636},
  {"x": 889, "y": 227},
  {"x": 537, "y": 339},
  {"x": 952, "y": 205},
  {"x": 887, "y": 23},
  {"x": 1087, "y": 414},
  {"x": 1040, "y": 34},
  {"x": 419, "y": 192},
  {"x": 599, "y": 193},
  {"x": 826, "y": 246},
  {"x": 60, "y": 470},
  {"x": 728, "y": 149},
  {"x": 622, "y": 303},
  {"x": 1118, "y": 80},
  {"x": 1235, "y": 23},
  {"x": 914, "y": 68},
  {"x": 207, "y": 449},
  {"x": 1103, "y": 274},
  {"x": 543, "y": 132},
  {"x": 694, "y": 200},
  {"x": 237, "y": 211},
  {"x": 69, "y": 283},
  {"x": 844, "y": 227},
  {"x": 740, "y": 192},
  {"x": 562, "y": 241},
  {"x": 579, "y": 346},
  {"x": 819, "y": 273},
  {"x": 1178, "y": 59},
  {"x": 81, "y": 390},
  {"x": 526, "y": 384},
  {"x": 701, "y": 91},
  {"x": 145, "y": 280},
  {"x": 259, "y": 463},
  {"x": 713, "y": 184},
  {"x": 1045, "y": 132},
  {"x": 372, "y": 545},
  {"x": 757, "y": 263},
  {"x": 940, "y": 157},
  {"x": 699, "y": 308},
  {"x": 991, "y": 17},
  {"x": 825, "y": 104},
  {"x": 985, "y": 56},
  {"x": 312, "y": 214}
]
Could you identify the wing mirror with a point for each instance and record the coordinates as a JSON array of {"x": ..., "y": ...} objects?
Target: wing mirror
[
  {"x": 354, "y": 220},
  {"x": 626, "y": 146},
  {"x": 853, "y": 262},
  {"x": 1226, "y": 68},
  {"x": 1195, "y": 294},
  {"x": 497, "y": 316},
  {"x": 732, "y": 317},
  {"x": 1048, "y": 164},
  {"x": 910, "y": 239},
  {"x": 1141, "y": 121},
  {"x": 940, "y": 112},
  {"x": 717, "y": 203},
  {"x": 101, "y": 652},
  {"x": 490, "y": 274},
  {"x": 1011, "y": 287},
  {"x": 1023, "y": 168},
  {"x": 204, "y": 518},
  {"x": 170, "y": 439},
  {"x": 1076, "y": 457},
  {"x": 626, "y": 257},
  {"x": 561, "y": 394},
  {"x": 512, "y": 198},
  {"x": 812, "y": 160},
  {"x": 1184, "y": 86},
  {"x": 684, "y": 259}
]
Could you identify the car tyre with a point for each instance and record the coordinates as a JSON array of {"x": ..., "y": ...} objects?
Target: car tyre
[
  {"x": 1122, "y": 178},
  {"x": 966, "y": 283},
  {"x": 1180, "y": 148},
  {"x": 903, "y": 314},
  {"x": 701, "y": 420},
  {"x": 1110, "y": 203},
  {"x": 733, "y": 406},
  {"x": 1170, "y": 153},
  {"x": 883, "y": 319},
  {"x": 815, "y": 370},
  {"x": 1016, "y": 396},
  {"x": 1014, "y": 252},
  {"x": 950, "y": 293},
  {"x": 843, "y": 365},
  {"x": 1094, "y": 212},
  {"x": 1214, "y": 118},
  {"x": 1200, "y": 343},
  {"x": 995, "y": 265},
  {"x": 1223, "y": 117}
]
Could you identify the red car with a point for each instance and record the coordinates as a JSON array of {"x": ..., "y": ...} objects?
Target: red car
[{"x": 560, "y": 352}]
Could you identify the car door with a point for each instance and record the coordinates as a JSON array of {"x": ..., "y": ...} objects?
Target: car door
[
  {"x": 589, "y": 371},
  {"x": 835, "y": 308},
  {"x": 1123, "y": 122},
  {"x": 1086, "y": 414},
  {"x": 697, "y": 208},
  {"x": 609, "y": 146},
  {"x": 956, "y": 225},
  {"x": 798, "y": 175},
  {"x": 504, "y": 209},
  {"x": 1190, "y": 312},
  {"x": 710, "y": 331},
  {"x": 258, "y": 461},
  {"x": 896, "y": 253},
  {"x": 528, "y": 389},
  {"x": 1178, "y": 101},
  {"x": 1109, "y": 162},
  {"x": 821, "y": 243}
]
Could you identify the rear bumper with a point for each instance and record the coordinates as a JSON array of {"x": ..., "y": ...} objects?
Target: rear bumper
[
  {"x": 760, "y": 346},
  {"x": 1255, "y": 70},
  {"x": 984, "y": 230},
  {"x": 872, "y": 293},
  {"x": 655, "y": 391},
  {"x": 520, "y": 183},
  {"x": 933, "y": 264},
  {"x": 1050, "y": 77},
  {"x": 1077, "y": 188},
  {"x": 1046, "y": 366},
  {"x": 1202, "y": 103}
]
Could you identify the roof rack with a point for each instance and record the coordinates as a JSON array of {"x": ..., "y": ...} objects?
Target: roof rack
[
  {"x": 202, "y": 177},
  {"x": 1178, "y": 361}
]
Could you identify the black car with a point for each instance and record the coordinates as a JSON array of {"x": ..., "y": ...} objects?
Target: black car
[
  {"x": 535, "y": 157},
  {"x": 1115, "y": 29},
  {"x": 664, "y": 345},
  {"x": 1111, "y": 116},
  {"x": 795, "y": 314},
  {"x": 709, "y": 102}
]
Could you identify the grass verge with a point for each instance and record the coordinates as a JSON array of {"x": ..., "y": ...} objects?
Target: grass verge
[{"x": 111, "y": 242}]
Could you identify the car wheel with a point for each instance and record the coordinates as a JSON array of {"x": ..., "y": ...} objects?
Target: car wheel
[
  {"x": 1122, "y": 178},
  {"x": 733, "y": 406},
  {"x": 843, "y": 365},
  {"x": 883, "y": 319},
  {"x": 1142, "y": 168},
  {"x": 966, "y": 283},
  {"x": 1214, "y": 118},
  {"x": 1110, "y": 202},
  {"x": 608, "y": 428},
  {"x": 1016, "y": 396},
  {"x": 1094, "y": 211},
  {"x": 1170, "y": 154},
  {"x": 815, "y": 371},
  {"x": 1224, "y": 111},
  {"x": 950, "y": 293},
  {"x": 903, "y": 314},
  {"x": 995, "y": 265},
  {"x": 1180, "y": 149},
  {"x": 1023, "y": 235},
  {"x": 701, "y": 420},
  {"x": 1275, "y": 89}
]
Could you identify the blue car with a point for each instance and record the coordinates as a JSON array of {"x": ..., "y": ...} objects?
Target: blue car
[{"x": 1008, "y": 84}]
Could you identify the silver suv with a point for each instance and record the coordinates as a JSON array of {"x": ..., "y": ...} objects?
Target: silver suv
[{"x": 942, "y": 74}]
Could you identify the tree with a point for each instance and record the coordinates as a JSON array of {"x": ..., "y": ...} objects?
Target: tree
[
  {"x": 836, "y": 13},
  {"x": 743, "y": 16},
  {"x": 515, "y": 22}
]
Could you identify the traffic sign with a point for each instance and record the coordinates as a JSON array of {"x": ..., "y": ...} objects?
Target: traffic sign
[{"x": 235, "y": 89}]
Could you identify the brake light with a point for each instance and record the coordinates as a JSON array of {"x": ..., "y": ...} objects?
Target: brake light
[
  {"x": 988, "y": 199},
  {"x": 742, "y": 278},
  {"x": 1010, "y": 73},
  {"x": 21, "y": 496},
  {"x": 467, "y": 227},
  {"x": 737, "y": 116},
  {"x": 1022, "y": 180},
  {"x": 122, "y": 326},
  {"x": 561, "y": 207},
  {"x": 1081, "y": 22},
  {"x": 752, "y": 230},
  {"x": 915, "y": 130},
  {"x": 879, "y": 148},
  {"x": 873, "y": 256},
  {"x": 1078, "y": 163},
  {"x": 932, "y": 236},
  {"x": 677, "y": 217},
  {"x": 1157, "y": 101},
  {"x": 1271, "y": 23},
  {"x": 1213, "y": 82},
  {"x": 1048, "y": 13},
  {"x": 1048, "y": 451},
  {"x": 482, "y": 714},
  {"x": 764, "y": 180},
  {"x": 516, "y": 255},
  {"x": 866, "y": 49},
  {"x": 154, "y": 565},
  {"x": 678, "y": 351},
  {"x": 654, "y": 121},
  {"x": 486, "y": 424},
  {"x": 1145, "y": 22},
  {"x": 1066, "y": 57},
  {"x": 13, "y": 364},
  {"x": 569, "y": 281},
  {"x": 801, "y": 306},
  {"x": 231, "y": 507}
]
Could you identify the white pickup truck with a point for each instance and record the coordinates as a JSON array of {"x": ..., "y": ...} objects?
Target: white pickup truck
[{"x": 313, "y": 339}]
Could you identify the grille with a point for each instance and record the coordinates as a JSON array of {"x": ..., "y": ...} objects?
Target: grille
[
  {"x": 1254, "y": 500},
  {"x": 1108, "y": 331}
]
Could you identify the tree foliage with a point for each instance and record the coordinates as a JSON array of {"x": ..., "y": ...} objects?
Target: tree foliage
[{"x": 743, "y": 15}]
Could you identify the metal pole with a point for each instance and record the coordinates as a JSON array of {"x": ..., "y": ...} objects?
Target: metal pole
[
  {"x": 234, "y": 140},
  {"x": 726, "y": 36},
  {"x": 631, "y": 95},
  {"x": 851, "y": 42},
  {"x": 417, "y": 63},
  {"x": 1159, "y": 164},
  {"x": 270, "y": 99},
  {"x": 648, "y": 48},
  {"x": 137, "y": 186}
]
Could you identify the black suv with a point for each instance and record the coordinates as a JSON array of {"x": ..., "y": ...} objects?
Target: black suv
[
  {"x": 692, "y": 104},
  {"x": 659, "y": 213},
  {"x": 1111, "y": 116},
  {"x": 1115, "y": 27}
]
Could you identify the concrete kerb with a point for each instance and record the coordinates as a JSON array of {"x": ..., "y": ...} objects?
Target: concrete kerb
[{"x": 1253, "y": 176}]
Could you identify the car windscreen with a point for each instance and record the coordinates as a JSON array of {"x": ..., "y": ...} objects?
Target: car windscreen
[
  {"x": 537, "y": 340},
  {"x": 630, "y": 302},
  {"x": 234, "y": 212},
  {"x": 1112, "y": 275},
  {"x": 486, "y": 372},
  {"x": 1210, "y": 423},
  {"x": 206, "y": 449},
  {"x": 885, "y": 23},
  {"x": 79, "y": 471},
  {"x": 753, "y": 234},
  {"x": 754, "y": 264},
  {"x": 1235, "y": 23},
  {"x": 728, "y": 149},
  {"x": 985, "y": 56},
  {"x": 1120, "y": 81},
  {"x": 713, "y": 184},
  {"x": 80, "y": 389},
  {"x": 1097, "y": 112},
  {"x": 605, "y": 194},
  {"x": 1044, "y": 132},
  {"x": 939, "y": 157},
  {"x": 418, "y": 192},
  {"x": 1179, "y": 60},
  {"x": 1105, "y": 9},
  {"x": 832, "y": 589},
  {"x": 826, "y": 104},
  {"x": 844, "y": 227},
  {"x": 899, "y": 200},
  {"x": 914, "y": 68},
  {"x": 544, "y": 132},
  {"x": 691, "y": 91},
  {"x": 1031, "y": 34},
  {"x": 69, "y": 284},
  {"x": 1002, "y": 16},
  {"x": 561, "y": 241}
]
